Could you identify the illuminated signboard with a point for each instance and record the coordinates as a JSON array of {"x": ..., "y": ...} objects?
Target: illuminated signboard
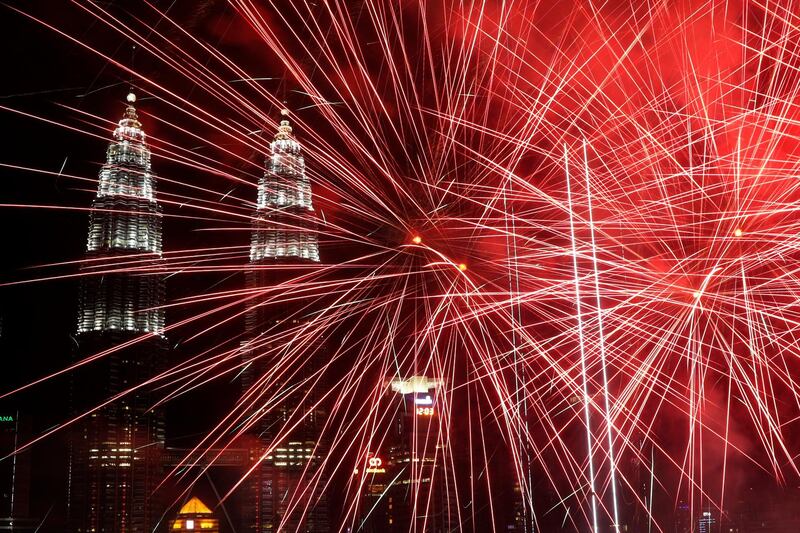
[
  {"x": 375, "y": 465},
  {"x": 424, "y": 411},
  {"x": 6, "y": 418},
  {"x": 424, "y": 400}
]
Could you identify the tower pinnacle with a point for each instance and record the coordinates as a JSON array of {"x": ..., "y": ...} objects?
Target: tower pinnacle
[
  {"x": 125, "y": 219},
  {"x": 283, "y": 226}
]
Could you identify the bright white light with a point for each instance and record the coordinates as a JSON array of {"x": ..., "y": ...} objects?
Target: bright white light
[{"x": 415, "y": 384}]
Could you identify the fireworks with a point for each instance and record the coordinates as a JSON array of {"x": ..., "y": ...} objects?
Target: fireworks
[{"x": 577, "y": 221}]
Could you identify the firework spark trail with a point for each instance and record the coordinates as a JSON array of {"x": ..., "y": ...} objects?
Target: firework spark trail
[
  {"x": 579, "y": 314},
  {"x": 438, "y": 153},
  {"x": 601, "y": 343}
]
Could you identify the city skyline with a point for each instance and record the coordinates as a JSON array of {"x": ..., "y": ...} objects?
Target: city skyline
[{"x": 417, "y": 266}]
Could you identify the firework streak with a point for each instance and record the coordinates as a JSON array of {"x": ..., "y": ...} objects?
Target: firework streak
[{"x": 557, "y": 247}]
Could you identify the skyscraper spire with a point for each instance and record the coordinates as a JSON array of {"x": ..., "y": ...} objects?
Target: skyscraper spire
[
  {"x": 283, "y": 228},
  {"x": 125, "y": 220}
]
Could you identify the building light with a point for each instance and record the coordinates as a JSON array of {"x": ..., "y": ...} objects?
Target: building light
[
  {"x": 425, "y": 400},
  {"x": 375, "y": 465},
  {"x": 125, "y": 217},
  {"x": 283, "y": 185},
  {"x": 420, "y": 384}
]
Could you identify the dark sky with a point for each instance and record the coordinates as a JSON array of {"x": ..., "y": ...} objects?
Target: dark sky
[
  {"x": 37, "y": 67},
  {"x": 38, "y": 318}
]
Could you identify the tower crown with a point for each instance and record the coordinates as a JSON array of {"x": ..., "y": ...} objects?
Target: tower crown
[
  {"x": 125, "y": 219},
  {"x": 129, "y": 128},
  {"x": 283, "y": 226},
  {"x": 285, "y": 184},
  {"x": 284, "y": 130}
]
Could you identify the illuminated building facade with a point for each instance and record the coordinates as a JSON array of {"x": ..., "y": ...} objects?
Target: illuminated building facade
[
  {"x": 683, "y": 518},
  {"x": 283, "y": 227},
  {"x": 283, "y": 234},
  {"x": 195, "y": 516},
  {"x": 705, "y": 523},
  {"x": 125, "y": 223},
  {"x": 406, "y": 487},
  {"x": 115, "y": 456}
]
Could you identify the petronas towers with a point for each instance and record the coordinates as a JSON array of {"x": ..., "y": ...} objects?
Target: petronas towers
[{"x": 117, "y": 447}]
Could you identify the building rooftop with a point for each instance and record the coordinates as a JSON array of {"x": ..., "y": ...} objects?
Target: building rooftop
[{"x": 194, "y": 506}]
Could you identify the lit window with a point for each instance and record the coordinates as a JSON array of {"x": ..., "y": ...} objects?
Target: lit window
[{"x": 190, "y": 524}]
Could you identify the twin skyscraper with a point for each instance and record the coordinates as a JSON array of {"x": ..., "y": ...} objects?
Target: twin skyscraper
[{"x": 118, "y": 456}]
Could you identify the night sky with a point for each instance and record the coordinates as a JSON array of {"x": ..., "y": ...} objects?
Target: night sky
[{"x": 47, "y": 76}]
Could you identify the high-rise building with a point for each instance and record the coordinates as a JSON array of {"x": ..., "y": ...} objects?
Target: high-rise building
[
  {"x": 706, "y": 522},
  {"x": 284, "y": 491},
  {"x": 115, "y": 456},
  {"x": 124, "y": 229},
  {"x": 405, "y": 485},
  {"x": 683, "y": 518}
]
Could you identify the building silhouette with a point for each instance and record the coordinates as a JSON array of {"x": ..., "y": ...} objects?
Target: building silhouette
[
  {"x": 285, "y": 489},
  {"x": 115, "y": 455},
  {"x": 683, "y": 518},
  {"x": 705, "y": 524},
  {"x": 15, "y": 473}
]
